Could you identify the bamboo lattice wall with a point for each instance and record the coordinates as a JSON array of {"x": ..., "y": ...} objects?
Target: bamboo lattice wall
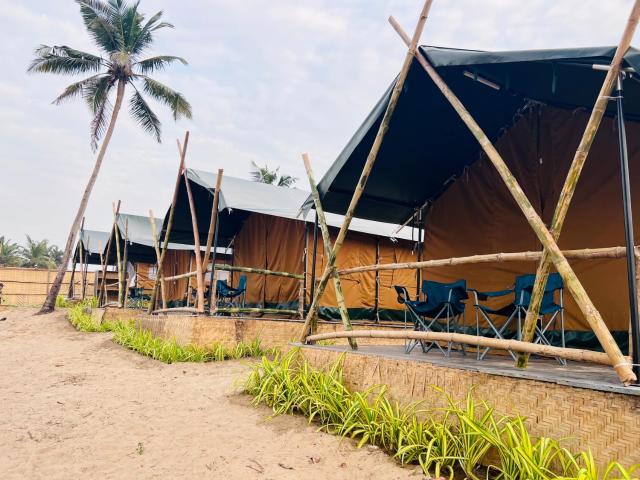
[{"x": 29, "y": 286}]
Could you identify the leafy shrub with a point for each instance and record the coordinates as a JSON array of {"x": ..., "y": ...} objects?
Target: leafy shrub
[{"x": 456, "y": 439}]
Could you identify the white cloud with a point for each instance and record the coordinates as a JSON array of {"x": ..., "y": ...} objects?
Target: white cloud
[{"x": 267, "y": 81}]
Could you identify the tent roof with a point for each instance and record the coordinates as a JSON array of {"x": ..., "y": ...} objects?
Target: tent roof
[
  {"x": 93, "y": 242},
  {"x": 139, "y": 231},
  {"x": 240, "y": 197},
  {"x": 427, "y": 145}
]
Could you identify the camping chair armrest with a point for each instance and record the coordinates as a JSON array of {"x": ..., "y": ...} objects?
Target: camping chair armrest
[
  {"x": 461, "y": 291},
  {"x": 485, "y": 295}
]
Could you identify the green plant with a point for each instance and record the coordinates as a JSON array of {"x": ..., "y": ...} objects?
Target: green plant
[
  {"x": 80, "y": 317},
  {"x": 9, "y": 253},
  {"x": 168, "y": 351},
  {"x": 452, "y": 441}
]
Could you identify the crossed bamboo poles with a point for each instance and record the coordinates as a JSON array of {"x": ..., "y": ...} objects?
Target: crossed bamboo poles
[{"x": 553, "y": 254}]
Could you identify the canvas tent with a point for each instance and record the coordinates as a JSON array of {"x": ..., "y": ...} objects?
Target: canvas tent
[
  {"x": 141, "y": 253},
  {"x": 262, "y": 223},
  {"x": 534, "y": 106}
]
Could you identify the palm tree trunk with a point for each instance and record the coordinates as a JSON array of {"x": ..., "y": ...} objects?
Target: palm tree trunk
[{"x": 50, "y": 301}]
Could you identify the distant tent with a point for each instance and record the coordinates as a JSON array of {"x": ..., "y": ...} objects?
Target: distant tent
[
  {"x": 261, "y": 222},
  {"x": 534, "y": 106},
  {"x": 141, "y": 253},
  {"x": 92, "y": 243}
]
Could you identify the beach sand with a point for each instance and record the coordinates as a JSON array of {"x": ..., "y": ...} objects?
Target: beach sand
[{"x": 76, "y": 405}]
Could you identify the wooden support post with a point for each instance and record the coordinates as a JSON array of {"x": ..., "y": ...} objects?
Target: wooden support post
[
  {"x": 167, "y": 234},
  {"x": 376, "y": 305},
  {"x": 118, "y": 257},
  {"x": 188, "y": 292},
  {"x": 301, "y": 300},
  {"x": 579, "y": 159},
  {"x": 156, "y": 246},
  {"x": 103, "y": 296},
  {"x": 366, "y": 171},
  {"x": 621, "y": 364},
  {"x": 84, "y": 271},
  {"x": 196, "y": 242},
  {"x": 125, "y": 259},
  {"x": 326, "y": 240},
  {"x": 213, "y": 299},
  {"x": 214, "y": 217}
]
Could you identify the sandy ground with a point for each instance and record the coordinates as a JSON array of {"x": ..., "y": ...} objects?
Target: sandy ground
[{"x": 75, "y": 405}]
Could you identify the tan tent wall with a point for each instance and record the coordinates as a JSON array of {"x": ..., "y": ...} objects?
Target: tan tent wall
[
  {"x": 275, "y": 243},
  {"x": 29, "y": 286},
  {"x": 478, "y": 215}
]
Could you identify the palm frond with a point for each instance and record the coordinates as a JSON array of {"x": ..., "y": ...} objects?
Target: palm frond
[
  {"x": 178, "y": 104},
  {"x": 131, "y": 24},
  {"x": 77, "y": 88},
  {"x": 97, "y": 97},
  {"x": 143, "y": 114},
  {"x": 63, "y": 59},
  {"x": 287, "y": 181},
  {"x": 145, "y": 36},
  {"x": 160, "y": 62},
  {"x": 98, "y": 20}
]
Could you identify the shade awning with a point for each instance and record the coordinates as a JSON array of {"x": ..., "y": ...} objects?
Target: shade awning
[{"x": 427, "y": 145}]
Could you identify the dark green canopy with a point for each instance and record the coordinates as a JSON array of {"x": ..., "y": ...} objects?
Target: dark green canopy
[{"x": 428, "y": 146}]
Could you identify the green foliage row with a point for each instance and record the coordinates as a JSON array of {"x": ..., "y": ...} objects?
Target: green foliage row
[
  {"x": 34, "y": 254},
  {"x": 143, "y": 341},
  {"x": 461, "y": 438}
]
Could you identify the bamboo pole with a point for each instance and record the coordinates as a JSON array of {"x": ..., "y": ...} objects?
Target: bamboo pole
[
  {"x": 102, "y": 297},
  {"x": 196, "y": 246},
  {"x": 214, "y": 217},
  {"x": 118, "y": 257},
  {"x": 176, "y": 310},
  {"x": 156, "y": 247},
  {"x": 621, "y": 365},
  {"x": 124, "y": 263},
  {"x": 301, "y": 291},
  {"x": 582, "y": 254},
  {"x": 189, "y": 282},
  {"x": 366, "y": 170},
  {"x": 264, "y": 311},
  {"x": 85, "y": 269},
  {"x": 260, "y": 271},
  {"x": 573, "y": 175},
  {"x": 573, "y": 354},
  {"x": 182, "y": 153},
  {"x": 233, "y": 268},
  {"x": 326, "y": 241}
]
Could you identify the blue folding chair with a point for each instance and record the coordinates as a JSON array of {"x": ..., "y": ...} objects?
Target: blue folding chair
[
  {"x": 517, "y": 311},
  {"x": 440, "y": 312},
  {"x": 229, "y": 294}
]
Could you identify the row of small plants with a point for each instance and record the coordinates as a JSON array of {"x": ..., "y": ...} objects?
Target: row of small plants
[
  {"x": 168, "y": 351},
  {"x": 467, "y": 439}
]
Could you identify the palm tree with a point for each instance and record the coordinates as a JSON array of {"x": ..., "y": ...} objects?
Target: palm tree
[
  {"x": 264, "y": 175},
  {"x": 56, "y": 255},
  {"x": 9, "y": 253},
  {"x": 123, "y": 35},
  {"x": 36, "y": 254}
]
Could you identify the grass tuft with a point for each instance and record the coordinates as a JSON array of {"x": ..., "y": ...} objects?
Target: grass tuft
[{"x": 457, "y": 440}]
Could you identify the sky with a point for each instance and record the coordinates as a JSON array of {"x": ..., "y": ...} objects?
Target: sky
[{"x": 267, "y": 80}]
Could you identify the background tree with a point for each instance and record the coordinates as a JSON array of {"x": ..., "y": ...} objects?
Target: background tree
[
  {"x": 9, "y": 253},
  {"x": 36, "y": 254},
  {"x": 123, "y": 35},
  {"x": 272, "y": 177}
]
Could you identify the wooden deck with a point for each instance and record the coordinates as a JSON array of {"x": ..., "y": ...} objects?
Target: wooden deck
[{"x": 574, "y": 374}]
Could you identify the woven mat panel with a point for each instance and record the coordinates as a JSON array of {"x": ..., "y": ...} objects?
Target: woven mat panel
[{"x": 608, "y": 423}]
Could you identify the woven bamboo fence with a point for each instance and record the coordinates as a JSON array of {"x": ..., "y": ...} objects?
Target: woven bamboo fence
[{"x": 24, "y": 287}]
